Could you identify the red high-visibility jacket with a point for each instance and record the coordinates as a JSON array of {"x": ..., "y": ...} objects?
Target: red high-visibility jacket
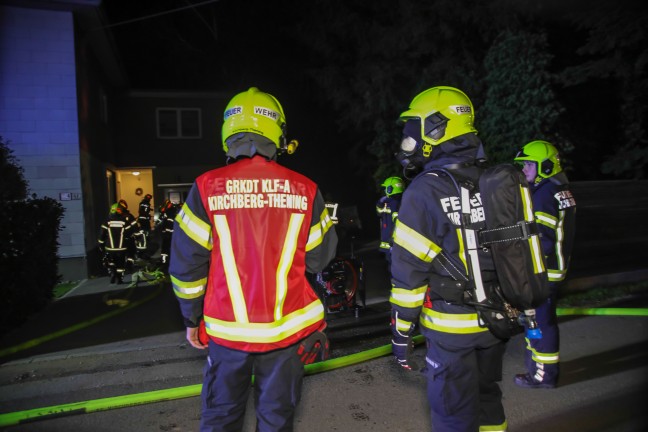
[{"x": 242, "y": 244}]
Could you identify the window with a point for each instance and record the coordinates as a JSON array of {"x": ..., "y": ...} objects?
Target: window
[{"x": 178, "y": 123}]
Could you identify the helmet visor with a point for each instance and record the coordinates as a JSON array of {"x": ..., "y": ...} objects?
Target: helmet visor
[{"x": 435, "y": 126}]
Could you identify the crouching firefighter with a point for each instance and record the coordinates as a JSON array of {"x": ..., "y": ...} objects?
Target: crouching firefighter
[
  {"x": 432, "y": 278},
  {"x": 242, "y": 244}
]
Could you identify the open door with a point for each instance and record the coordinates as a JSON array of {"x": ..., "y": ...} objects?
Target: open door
[{"x": 133, "y": 184}]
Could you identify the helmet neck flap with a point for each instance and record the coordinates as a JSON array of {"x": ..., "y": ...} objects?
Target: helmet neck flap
[{"x": 247, "y": 144}]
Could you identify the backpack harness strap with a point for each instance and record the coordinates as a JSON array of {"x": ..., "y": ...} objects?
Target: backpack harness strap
[
  {"x": 520, "y": 231},
  {"x": 470, "y": 238}
]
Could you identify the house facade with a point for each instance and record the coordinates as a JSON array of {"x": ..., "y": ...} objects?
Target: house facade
[{"x": 82, "y": 136}]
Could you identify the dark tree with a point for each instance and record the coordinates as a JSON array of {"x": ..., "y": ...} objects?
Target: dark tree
[
  {"x": 369, "y": 59},
  {"x": 615, "y": 56},
  {"x": 28, "y": 241},
  {"x": 12, "y": 181},
  {"x": 521, "y": 105}
]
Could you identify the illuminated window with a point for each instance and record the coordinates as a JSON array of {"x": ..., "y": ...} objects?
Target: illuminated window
[{"x": 178, "y": 123}]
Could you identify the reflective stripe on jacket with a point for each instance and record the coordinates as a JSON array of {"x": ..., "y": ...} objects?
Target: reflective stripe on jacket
[
  {"x": 555, "y": 212},
  {"x": 428, "y": 243},
  {"x": 115, "y": 233},
  {"x": 243, "y": 242},
  {"x": 387, "y": 211}
]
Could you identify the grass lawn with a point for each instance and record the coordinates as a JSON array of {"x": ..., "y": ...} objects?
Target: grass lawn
[
  {"x": 63, "y": 288},
  {"x": 604, "y": 295}
]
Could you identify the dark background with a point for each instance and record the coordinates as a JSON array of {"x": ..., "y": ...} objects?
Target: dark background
[{"x": 345, "y": 70}]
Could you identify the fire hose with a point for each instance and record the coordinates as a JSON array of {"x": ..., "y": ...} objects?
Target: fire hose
[{"x": 104, "y": 404}]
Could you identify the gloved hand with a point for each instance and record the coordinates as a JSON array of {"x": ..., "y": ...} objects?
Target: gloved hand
[
  {"x": 402, "y": 344},
  {"x": 402, "y": 347},
  {"x": 314, "y": 348}
]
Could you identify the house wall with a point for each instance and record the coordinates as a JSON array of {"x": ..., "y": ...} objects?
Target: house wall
[
  {"x": 136, "y": 134},
  {"x": 97, "y": 154},
  {"x": 38, "y": 110}
]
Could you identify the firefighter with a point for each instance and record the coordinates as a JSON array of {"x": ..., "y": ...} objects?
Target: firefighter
[
  {"x": 168, "y": 213},
  {"x": 127, "y": 214},
  {"x": 244, "y": 240},
  {"x": 136, "y": 233},
  {"x": 387, "y": 210},
  {"x": 144, "y": 214},
  {"x": 555, "y": 213},
  {"x": 113, "y": 241},
  {"x": 463, "y": 362}
]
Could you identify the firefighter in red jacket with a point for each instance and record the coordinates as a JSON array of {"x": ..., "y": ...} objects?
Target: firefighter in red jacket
[{"x": 244, "y": 240}]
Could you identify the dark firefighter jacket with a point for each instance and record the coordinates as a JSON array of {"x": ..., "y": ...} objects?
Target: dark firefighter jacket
[
  {"x": 428, "y": 245},
  {"x": 387, "y": 211},
  {"x": 116, "y": 232},
  {"x": 555, "y": 213}
]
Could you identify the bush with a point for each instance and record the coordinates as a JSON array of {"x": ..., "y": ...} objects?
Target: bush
[{"x": 28, "y": 246}]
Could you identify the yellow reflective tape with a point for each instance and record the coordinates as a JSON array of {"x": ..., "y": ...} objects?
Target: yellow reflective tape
[
  {"x": 266, "y": 332},
  {"x": 403, "y": 326},
  {"x": 547, "y": 358},
  {"x": 494, "y": 428},
  {"x": 546, "y": 219},
  {"x": 556, "y": 275},
  {"x": 560, "y": 236},
  {"x": 285, "y": 261},
  {"x": 198, "y": 230},
  {"x": 536, "y": 254},
  {"x": 189, "y": 290},
  {"x": 408, "y": 298},
  {"x": 527, "y": 203},
  {"x": 231, "y": 270},
  {"x": 451, "y": 323},
  {"x": 415, "y": 243},
  {"x": 318, "y": 230},
  {"x": 462, "y": 250}
]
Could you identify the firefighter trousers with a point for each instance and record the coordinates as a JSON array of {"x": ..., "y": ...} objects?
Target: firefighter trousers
[
  {"x": 463, "y": 371},
  {"x": 541, "y": 356},
  {"x": 278, "y": 377}
]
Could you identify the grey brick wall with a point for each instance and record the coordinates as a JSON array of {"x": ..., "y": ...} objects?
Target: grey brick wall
[{"x": 38, "y": 109}]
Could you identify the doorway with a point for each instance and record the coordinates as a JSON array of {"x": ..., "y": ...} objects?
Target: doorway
[{"x": 133, "y": 184}]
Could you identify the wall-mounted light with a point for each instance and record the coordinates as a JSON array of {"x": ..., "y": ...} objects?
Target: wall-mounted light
[{"x": 135, "y": 173}]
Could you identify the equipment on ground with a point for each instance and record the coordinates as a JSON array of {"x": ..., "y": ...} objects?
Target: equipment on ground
[{"x": 339, "y": 283}]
